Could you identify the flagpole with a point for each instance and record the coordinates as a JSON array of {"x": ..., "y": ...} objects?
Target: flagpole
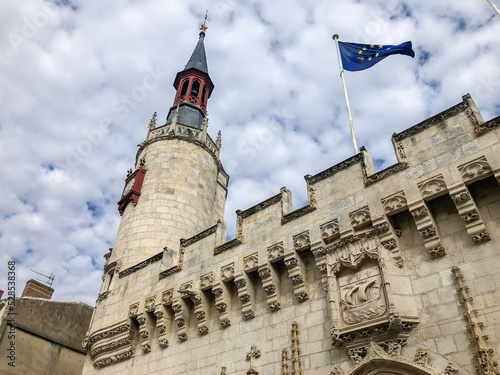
[
  {"x": 355, "y": 145},
  {"x": 495, "y": 8}
]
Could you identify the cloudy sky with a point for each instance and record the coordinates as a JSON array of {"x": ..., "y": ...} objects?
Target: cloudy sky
[{"x": 74, "y": 103}]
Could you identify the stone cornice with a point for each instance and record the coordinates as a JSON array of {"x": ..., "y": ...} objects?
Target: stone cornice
[
  {"x": 226, "y": 246},
  {"x": 297, "y": 213},
  {"x": 259, "y": 206},
  {"x": 393, "y": 169},
  {"x": 358, "y": 158},
  {"x": 199, "y": 236},
  {"x": 430, "y": 122},
  {"x": 487, "y": 126},
  {"x": 137, "y": 267}
]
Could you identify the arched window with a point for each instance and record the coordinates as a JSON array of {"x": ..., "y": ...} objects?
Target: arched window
[
  {"x": 204, "y": 95},
  {"x": 184, "y": 87},
  {"x": 196, "y": 88}
]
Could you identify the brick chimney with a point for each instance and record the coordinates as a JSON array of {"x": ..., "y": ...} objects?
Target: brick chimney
[
  {"x": 36, "y": 289},
  {"x": 1, "y": 293}
]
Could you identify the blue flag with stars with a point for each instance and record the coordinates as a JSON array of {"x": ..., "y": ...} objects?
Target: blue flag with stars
[{"x": 357, "y": 57}]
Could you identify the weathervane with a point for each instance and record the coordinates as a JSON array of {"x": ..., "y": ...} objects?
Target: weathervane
[
  {"x": 204, "y": 27},
  {"x": 50, "y": 278}
]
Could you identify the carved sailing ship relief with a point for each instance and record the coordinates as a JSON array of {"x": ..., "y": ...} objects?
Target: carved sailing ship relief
[{"x": 361, "y": 305}]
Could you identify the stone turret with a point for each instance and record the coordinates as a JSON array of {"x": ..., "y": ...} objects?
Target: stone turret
[{"x": 178, "y": 187}]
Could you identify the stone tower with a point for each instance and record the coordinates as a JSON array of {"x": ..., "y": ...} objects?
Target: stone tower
[{"x": 178, "y": 187}]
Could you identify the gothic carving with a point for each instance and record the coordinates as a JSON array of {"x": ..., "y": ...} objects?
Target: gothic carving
[
  {"x": 297, "y": 213},
  {"x": 487, "y": 126},
  {"x": 301, "y": 241},
  {"x": 475, "y": 170},
  {"x": 149, "y": 304},
  {"x": 470, "y": 217},
  {"x": 461, "y": 196},
  {"x": 394, "y": 203},
  {"x": 253, "y": 354},
  {"x": 219, "y": 290},
  {"x": 294, "y": 268},
  {"x": 226, "y": 246},
  {"x": 480, "y": 237},
  {"x": 141, "y": 265},
  {"x": 133, "y": 310},
  {"x": 428, "y": 231},
  {"x": 393, "y": 169},
  {"x": 360, "y": 218},
  {"x": 360, "y": 295},
  {"x": 245, "y": 293},
  {"x": 166, "y": 296},
  {"x": 329, "y": 230},
  {"x": 227, "y": 272},
  {"x": 251, "y": 262},
  {"x": 419, "y": 212},
  {"x": 270, "y": 282},
  {"x": 483, "y": 352},
  {"x": 275, "y": 252},
  {"x": 296, "y": 361},
  {"x": 434, "y": 120},
  {"x": 401, "y": 150},
  {"x": 199, "y": 236},
  {"x": 432, "y": 187},
  {"x": 206, "y": 281},
  {"x": 421, "y": 357}
]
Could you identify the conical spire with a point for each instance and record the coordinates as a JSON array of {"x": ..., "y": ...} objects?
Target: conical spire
[{"x": 198, "y": 59}]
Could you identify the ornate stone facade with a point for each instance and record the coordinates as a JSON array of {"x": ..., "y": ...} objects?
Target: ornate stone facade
[{"x": 357, "y": 281}]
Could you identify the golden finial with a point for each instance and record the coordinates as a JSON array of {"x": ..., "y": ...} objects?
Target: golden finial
[{"x": 204, "y": 27}]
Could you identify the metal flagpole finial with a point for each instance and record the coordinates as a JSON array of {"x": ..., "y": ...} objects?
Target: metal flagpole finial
[{"x": 335, "y": 36}]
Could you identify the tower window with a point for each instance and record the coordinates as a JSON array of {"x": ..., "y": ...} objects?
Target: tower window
[
  {"x": 204, "y": 95},
  {"x": 196, "y": 88},
  {"x": 184, "y": 87}
]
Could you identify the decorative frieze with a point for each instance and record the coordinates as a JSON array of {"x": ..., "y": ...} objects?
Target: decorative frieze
[
  {"x": 141, "y": 265},
  {"x": 432, "y": 187},
  {"x": 395, "y": 203},
  {"x": 475, "y": 170}
]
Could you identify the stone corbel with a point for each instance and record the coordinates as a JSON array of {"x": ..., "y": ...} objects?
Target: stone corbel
[
  {"x": 163, "y": 325},
  {"x": 146, "y": 327},
  {"x": 388, "y": 239},
  {"x": 246, "y": 294},
  {"x": 469, "y": 213},
  {"x": 270, "y": 284},
  {"x": 319, "y": 253},
  {"x": 179, "y": 308},
  {"x": 301, "y": 241},
  {"x": 295, "y": 268},
  {"x": 427, "y": 228},
  {"x": 475, "y": 170},
  {"x": 329, "y": 231},
  {"x": 222, "y": 300}
]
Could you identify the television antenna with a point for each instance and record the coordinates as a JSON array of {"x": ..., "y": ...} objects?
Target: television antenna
[{"x": 50, "y": 279}]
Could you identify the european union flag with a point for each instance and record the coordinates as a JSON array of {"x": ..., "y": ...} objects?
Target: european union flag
[{"x": 357, "y": 57}]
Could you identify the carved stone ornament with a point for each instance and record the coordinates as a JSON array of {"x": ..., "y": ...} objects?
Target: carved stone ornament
[
  {"x": 133, "y": 310},
  {"x": 432, "y": 187},
  {"x": 149, "y": 304},
  {"x": 251, "y": 262},
  {"x": 475, "y": 170},
  {"x": 461, "y": 197},
  {"x": 395, "y": 203},
  {"x": 329, "y": 230},
  {"x": 206, "y": 280},
  {"x": 419, "y": 212},
  {"x": 275, "y": 252},
  {"x": 301, "y": 241},
  {"x": 360, "y": 218},
  {"x": 166, "y": 296},
  {"x": 227, "y": 272},
  {"x": 361, "y": 297}
]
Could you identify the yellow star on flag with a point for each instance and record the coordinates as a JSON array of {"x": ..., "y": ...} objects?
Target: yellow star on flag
[
  {"x": 380, "y": 46},
  {"x": 371, "y": 45},
  {"x": 364, "y": 48},
  {"x": 370, "y": 58},
  {"x": 360, "y": 52},
  {"x": 376, "y": 55}
]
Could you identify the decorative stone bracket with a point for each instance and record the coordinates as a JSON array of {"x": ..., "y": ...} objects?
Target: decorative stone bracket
[{"x": 427, "y": 228}]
